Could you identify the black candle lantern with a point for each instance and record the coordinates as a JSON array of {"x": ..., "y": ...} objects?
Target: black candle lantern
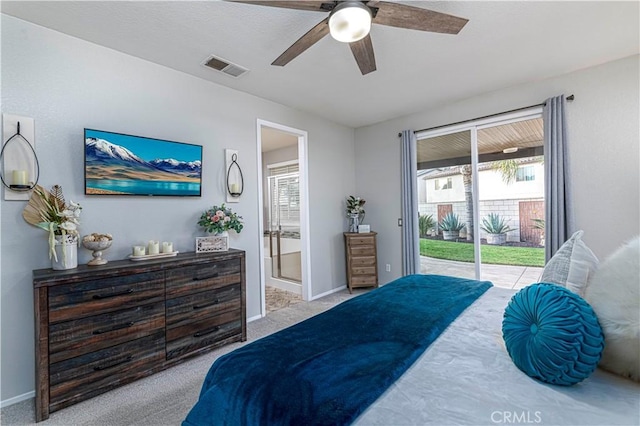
[
  {"x": 20, "y": 177},
  {"x": 235, "y": 180}
]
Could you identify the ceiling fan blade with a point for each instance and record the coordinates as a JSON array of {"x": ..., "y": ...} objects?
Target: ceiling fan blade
[
  {"x": 363, "y": 52},
  {"x": 416, "y": 18},
  {"x": 314, "y": 35},
  {"x": 313, "y": 5}
]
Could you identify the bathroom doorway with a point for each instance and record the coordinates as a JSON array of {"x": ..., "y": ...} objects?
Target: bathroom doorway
[{"x": 283, "y": 200}]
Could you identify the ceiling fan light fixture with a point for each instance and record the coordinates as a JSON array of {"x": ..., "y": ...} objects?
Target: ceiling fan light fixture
[{"x": 350, "y": 21}]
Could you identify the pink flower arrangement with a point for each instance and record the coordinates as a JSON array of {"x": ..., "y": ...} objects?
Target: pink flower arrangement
[{"x": 220, "y": 219}]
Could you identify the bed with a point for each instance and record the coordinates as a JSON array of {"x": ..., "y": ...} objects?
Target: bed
[{"x": 457, "y": 372}]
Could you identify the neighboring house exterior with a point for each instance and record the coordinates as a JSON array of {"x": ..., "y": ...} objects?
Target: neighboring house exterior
[{"x": 442, "y": 190}]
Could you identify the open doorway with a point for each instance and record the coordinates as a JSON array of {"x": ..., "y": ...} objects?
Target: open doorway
[{"x": 284, "y": 225}]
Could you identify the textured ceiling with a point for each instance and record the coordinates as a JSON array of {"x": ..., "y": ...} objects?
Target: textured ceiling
[
  {"x": 504, "y": 44},
  {"x": 521, "y": 134}
]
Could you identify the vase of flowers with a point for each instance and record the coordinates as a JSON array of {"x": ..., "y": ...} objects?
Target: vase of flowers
[
  {"x": 221, "y": 219},
  {"x": 49, "y": 211},
  {"x": 217, "y": 221},
  {"x": 355, "y": 212}
]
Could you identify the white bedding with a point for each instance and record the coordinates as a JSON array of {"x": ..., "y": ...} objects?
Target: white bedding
[{"x": 467, "y": 378}]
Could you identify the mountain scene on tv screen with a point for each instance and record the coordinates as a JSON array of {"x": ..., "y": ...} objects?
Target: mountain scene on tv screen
[{"x": 114, "y": 169}]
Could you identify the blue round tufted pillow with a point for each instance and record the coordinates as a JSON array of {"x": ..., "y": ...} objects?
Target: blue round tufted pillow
[{"x": 552, "y": 334}]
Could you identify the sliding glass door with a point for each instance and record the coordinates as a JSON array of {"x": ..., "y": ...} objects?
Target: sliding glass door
[
  {"x": 445, "y": 204},
  {"x": 485, "y": 180}
]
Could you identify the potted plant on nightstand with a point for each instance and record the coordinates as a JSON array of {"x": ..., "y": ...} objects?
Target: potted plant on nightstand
[
  {"x": 451, "y": 226},
  {"x": 496, "y": 228}
]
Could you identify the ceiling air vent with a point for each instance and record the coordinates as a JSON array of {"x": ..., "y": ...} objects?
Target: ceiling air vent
[{"x": 224, "y": 66}]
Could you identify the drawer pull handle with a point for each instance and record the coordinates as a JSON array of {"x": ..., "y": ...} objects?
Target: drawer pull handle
[
  {"x": 106, "y": 296},
  {"x": 205, "y": 278},
  {"x": 114, "y": 328},
  {"x": 205, "y": 332},
  {"x": 113, "y": 364},
  {"x": 215, "y": 302}
]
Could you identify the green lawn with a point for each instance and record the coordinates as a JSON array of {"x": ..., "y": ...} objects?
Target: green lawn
[{"x": 499, "y": 255}]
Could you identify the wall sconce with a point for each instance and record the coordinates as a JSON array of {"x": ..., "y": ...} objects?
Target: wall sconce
[
  {"x": 20, "y": 167},
  {"x": 235, "y": 180}
]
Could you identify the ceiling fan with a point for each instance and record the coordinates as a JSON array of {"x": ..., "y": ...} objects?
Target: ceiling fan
[{"x": 350, "y": 22}]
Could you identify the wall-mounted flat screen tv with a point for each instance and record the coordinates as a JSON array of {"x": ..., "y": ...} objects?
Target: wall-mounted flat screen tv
[{"x": 118, "y": 164}]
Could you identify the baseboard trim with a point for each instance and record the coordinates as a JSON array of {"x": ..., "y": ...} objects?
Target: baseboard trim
[
  {"x": 257, "y": 317},
  {"x": 16, "y": 399},
  {"x": 326, "y": 293}
]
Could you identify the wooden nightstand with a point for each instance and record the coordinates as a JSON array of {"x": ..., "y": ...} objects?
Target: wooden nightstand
[{"x": 362, "y": 264}]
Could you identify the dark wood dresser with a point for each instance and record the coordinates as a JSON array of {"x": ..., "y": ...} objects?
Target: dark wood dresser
[
  {"x": 99, "y": 327},
  {"x": 362, "y": 264}
]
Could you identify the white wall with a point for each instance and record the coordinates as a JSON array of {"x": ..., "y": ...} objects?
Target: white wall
[
  {"x": 67, "y": 84},
  {"x": 604, "y": 133}
]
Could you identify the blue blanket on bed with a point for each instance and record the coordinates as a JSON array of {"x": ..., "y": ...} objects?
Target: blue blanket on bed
[{"x": 330, "y": 368}]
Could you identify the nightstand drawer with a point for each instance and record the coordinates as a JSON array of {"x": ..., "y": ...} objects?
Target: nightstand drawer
[
  {"x": 77, "y": 337},
  {"x": 195, "y": 307},
  {"x": 203, "y": 277},
  {"x": 91, "y": 297},
  {"x": 97, "y": 372}
]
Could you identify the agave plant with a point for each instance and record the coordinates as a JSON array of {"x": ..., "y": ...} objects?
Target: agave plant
[
  {"x": 425, "y": 223},
  {"x": 450, "y": 222},
  {"x": 495, "y": 224}
]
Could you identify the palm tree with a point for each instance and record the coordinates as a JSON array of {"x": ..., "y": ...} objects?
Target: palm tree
[
  {"x": 466, "y": 180},
  {"x": 508, "y": 169}
]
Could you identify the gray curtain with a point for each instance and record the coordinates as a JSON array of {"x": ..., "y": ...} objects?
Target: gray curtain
[
  {"x": 410, "y": 241},
  {"x": 559, "y": 223}
]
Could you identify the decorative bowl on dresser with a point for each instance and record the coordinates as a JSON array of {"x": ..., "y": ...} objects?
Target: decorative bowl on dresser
[{"x": 98, "y": 328}]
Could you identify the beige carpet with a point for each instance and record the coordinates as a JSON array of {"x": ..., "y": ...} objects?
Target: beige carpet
[
  {"x": 166, "y": 397},
  {"x": 277, "y": 299}
]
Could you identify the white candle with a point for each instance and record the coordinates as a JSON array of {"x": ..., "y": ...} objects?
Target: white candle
[
  {"x": 154, "y": 247},
  {"x": 167, "y": 247},
  {"x": 138, "y": 250},
  {"x": 19, "y": 177},
  {"x": 235, "y": 188}
]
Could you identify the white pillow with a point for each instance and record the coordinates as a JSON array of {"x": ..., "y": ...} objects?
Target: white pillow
[
  {"x": 614, "y": 294},
  {"x": 572, "y": 265}
]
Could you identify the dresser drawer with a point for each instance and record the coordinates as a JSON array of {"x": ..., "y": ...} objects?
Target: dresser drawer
[
  {"x": 91, "y": 297},
  {"x": 362, "y": 251},
  {"x": 96, "y": 372},
  {"x": 203, "y": 277},
  {"x": 183, "y": 340},
  {"x": 195, "y": 307},
  {"x": 77, "y": 337}
]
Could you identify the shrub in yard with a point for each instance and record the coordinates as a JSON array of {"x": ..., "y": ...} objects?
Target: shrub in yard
[
  {"x": 495, "y": 224},
  {"x": 538, "y": 223},
  {"x": 425, "y": 223},
  {"x": 451, "y": 223}
]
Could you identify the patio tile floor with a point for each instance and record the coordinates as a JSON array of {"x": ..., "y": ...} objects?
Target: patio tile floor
[{"x": 506, "y": 276}]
